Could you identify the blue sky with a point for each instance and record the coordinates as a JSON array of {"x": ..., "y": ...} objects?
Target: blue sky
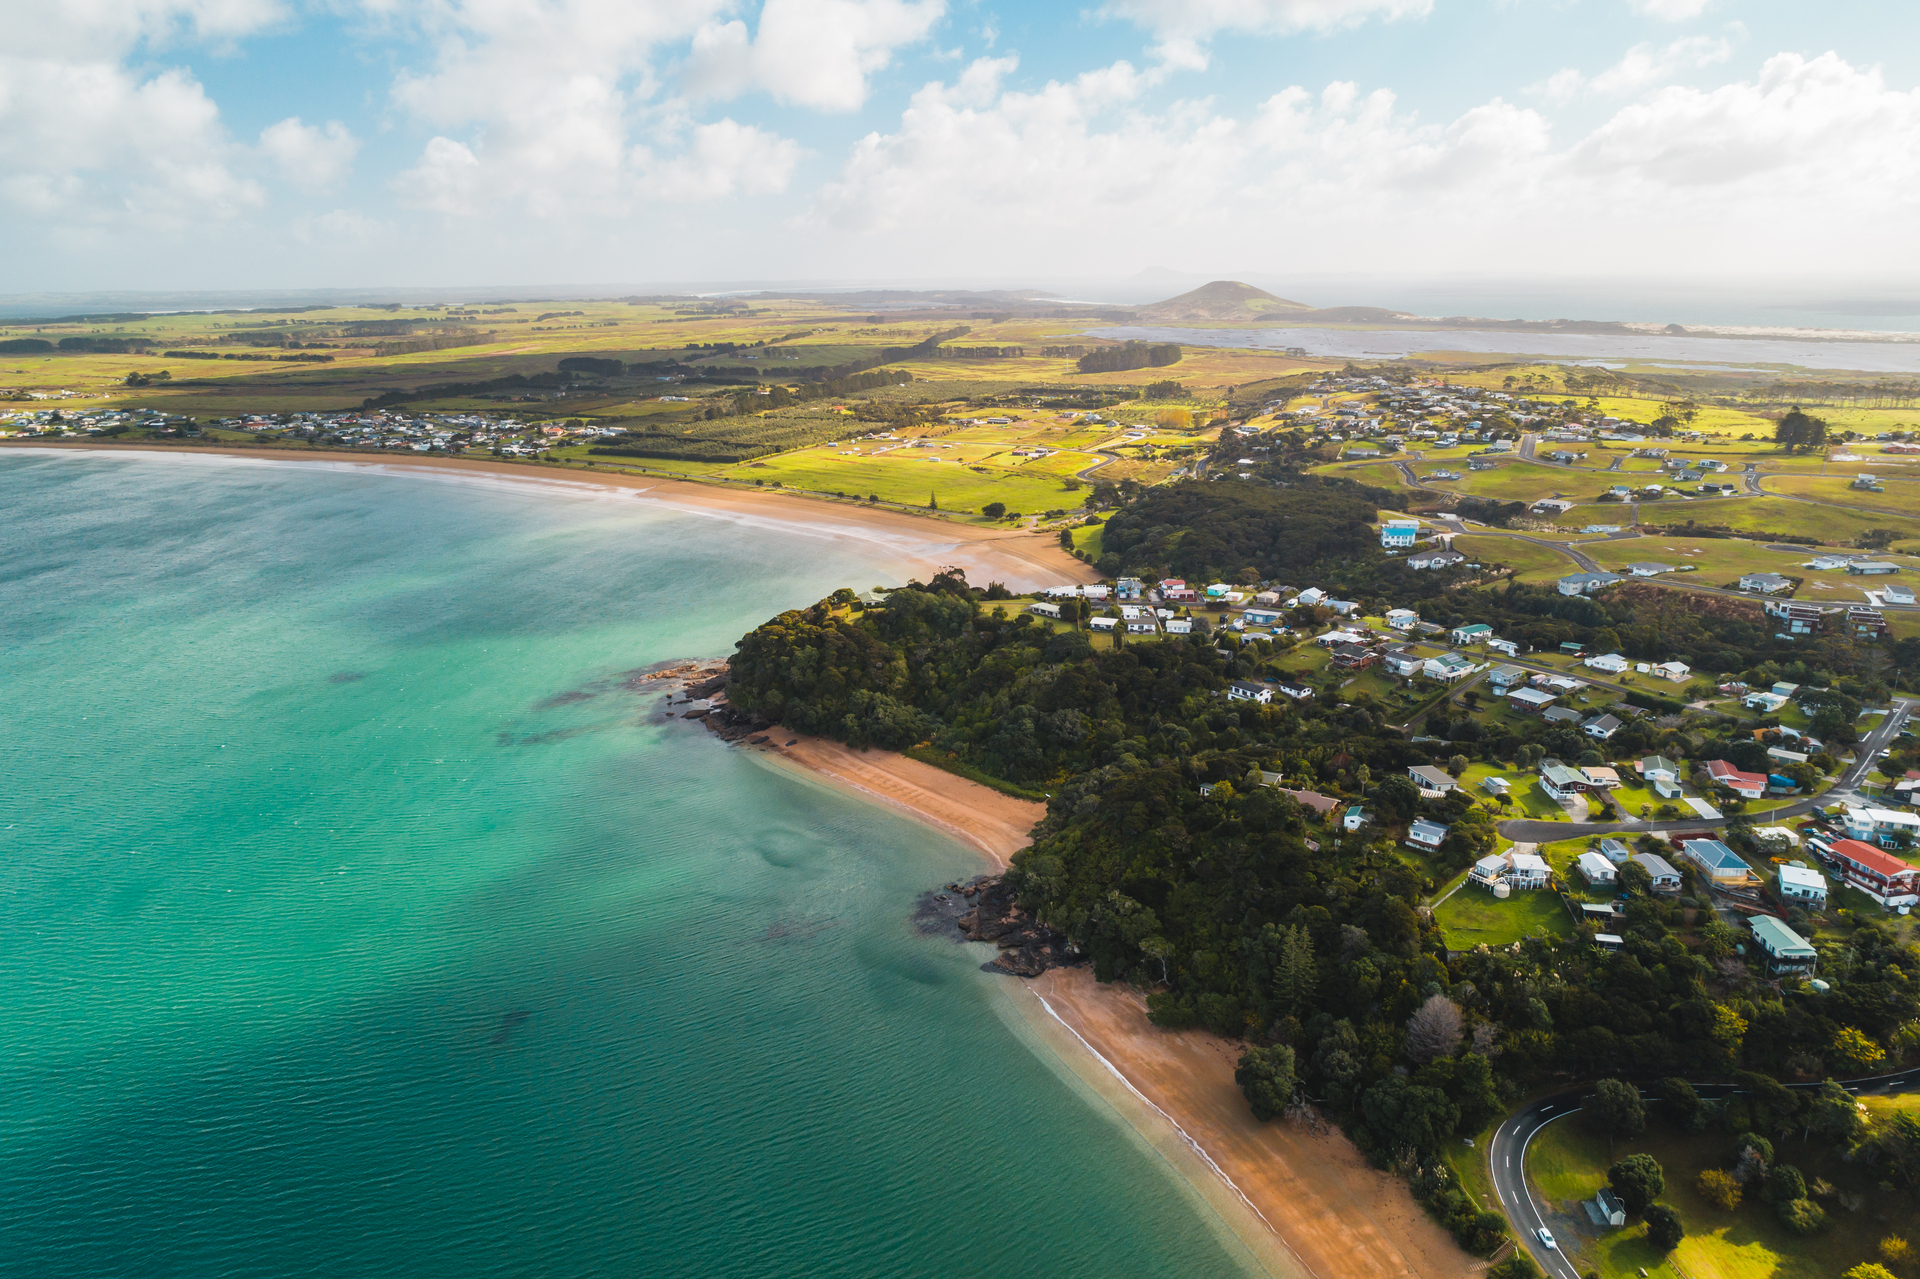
[{"x": 225, "y": 144}]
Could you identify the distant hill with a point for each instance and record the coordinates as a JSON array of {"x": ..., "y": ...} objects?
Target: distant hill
[{"x": 1223, "y": 300}]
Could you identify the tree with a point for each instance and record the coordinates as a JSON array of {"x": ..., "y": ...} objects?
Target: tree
[
  {"x": 1664, "y": 1230},
  {"x": 1868, "y": 1270},
  {"x": 1518, "y": 1266},
  {"x": 1802, "y": 1216},
  {"x": 1679, "y": 1103},
  {"x": 933, "y": 501},
  {"x": 1265, "y": 1075},
  {"x": 1433, "y": 1030},
  {"x": 1784, "y": 1185},
  {"x": 994, "y": 510},
  {"x": 1896, "y": 1252},
  {"x": 1835, "y": 1114},
  {"x": 1718, "y": 1187},
  {"x": 1853, "y": 1051},
  {"x": 1615, "y": 1109},
  {"x": 1457, "y": 765},
  {"x": 1638, "y": 1180}
]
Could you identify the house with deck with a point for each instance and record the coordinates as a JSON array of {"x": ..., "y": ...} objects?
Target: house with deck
[
  {"x": 1879, "y": 874},
  {"x": 1799, "y": 885},
  {"x": 1426, "y": 835},
  {"x": 1433, "y": 782},
  {"x": 1665, "y": 878},
  {"x": 1786, "y": 950},
  {"x": 1720, "y": 863},
  {"x": 1740, "y": 782}
]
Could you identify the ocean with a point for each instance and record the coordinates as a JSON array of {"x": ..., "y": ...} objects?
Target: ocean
[{"x": 361, "y": 918}]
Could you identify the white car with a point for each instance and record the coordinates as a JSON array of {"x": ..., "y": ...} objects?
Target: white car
[{"x": 1546, "y": 1237}]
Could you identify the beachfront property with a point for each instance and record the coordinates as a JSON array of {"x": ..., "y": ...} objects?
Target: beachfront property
[
  {"x": 1665, "y": 878},
  {"x": 1884, "y": 827},
  {"x": 1586, "y": 583},
  {"x": 1432, "y": 782},
  {"x": 1786, "y": 950},
  {"x": 1721, "y": 864},
  {"x": 1744, "y": 784},
  {"x": 1880, "y": 875},
  {"x": 1425, "y": 835},
  {"x": 1797, "y": 884},
  {"x": 1597, "y": 870},
  {"x": 1399, "y": 533}
]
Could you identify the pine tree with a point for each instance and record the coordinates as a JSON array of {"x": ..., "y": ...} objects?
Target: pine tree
[
  {"x": 933, "y": 502},
  {"x": 1294, "y": 976}
]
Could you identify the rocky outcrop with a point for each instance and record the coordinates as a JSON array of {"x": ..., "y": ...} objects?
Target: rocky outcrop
[{"x": 1027, "y": 946}]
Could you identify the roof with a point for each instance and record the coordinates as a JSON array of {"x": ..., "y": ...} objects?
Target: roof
[
  {"x": 1770, "y": 578},
  {"x": 1426, "y": 832},
  {"x": 1721, "y": 771},
  {"x": 1713, "y": 854},
  {"x": 1592, "y": 864},
  {"x": 1529, "y": 861},
  {"x": 1883, "y": 864},
  {"x": 1322, "y": 804},
  {"x": 1474, "y": 629},
  {"x": 1778, "y": 938},
  {"x": 1656, "y": 865},
  {"x": 1801, "y": 877},
  {"x": 1428, "y": 773},
  {"x": 1705, "y": 809},
  {"x": 1613, "y": 848},
  {"x": 1657, "y": 764},
  {"x": 1243, "y": 686},
  {"x": 1561, "y": 775},
  {"x": 1507, "y": 671},
  {"x": 1531, "y": 696},
  {"x": 1605, "y": 723},
  {"x": 1563, "y": 713}
]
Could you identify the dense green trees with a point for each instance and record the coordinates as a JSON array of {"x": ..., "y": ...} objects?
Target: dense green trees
[
  {"x": 1664, "y": 1229},
  {"x": 1265, "y": 1075},
  {"x": 1132, "y": 355},
  {"x": 1638, "y": 1180}
]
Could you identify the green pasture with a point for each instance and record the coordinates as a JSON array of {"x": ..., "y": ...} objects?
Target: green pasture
[{"x": 1471, "y": 917}]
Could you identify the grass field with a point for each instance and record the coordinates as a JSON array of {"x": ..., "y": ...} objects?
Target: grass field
[
  {"x": 1530, "y": 561},
  {"x": 1471, "y": 917},
  {"x": 1833, "y": 525},
  {"x": 1566, "y": 1164}
]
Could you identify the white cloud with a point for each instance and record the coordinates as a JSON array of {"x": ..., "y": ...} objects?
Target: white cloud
[
  {"x": 1671, "y": 10},
  {"x": 812, "y": 53},
  {"x": 1682, "y": 179},
  {"x": 725, "y": 158},
  {"x": 1184, "y": 26},
  {"x": 446, "y": 180},
  {"x": 1641, "y": 66},
  {"x": 311, "y": 157}
]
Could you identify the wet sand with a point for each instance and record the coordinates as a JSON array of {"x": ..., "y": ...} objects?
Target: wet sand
[{"x": 921, "y": 545}]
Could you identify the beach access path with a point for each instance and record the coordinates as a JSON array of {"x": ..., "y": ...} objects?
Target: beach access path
[
  {"x": 1336, "y": 1217},
  {"x": 922, "y": 544}
]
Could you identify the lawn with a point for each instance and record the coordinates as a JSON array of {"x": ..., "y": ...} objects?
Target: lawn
[
  {"x": 1717, "y": 561},
  {"x": 1565, "y": 1163},
  {"x": 1831, "y": 524},
  {"x": 1528, "y": 799},
  {"x": 1529, "y": 561},
  {"x": 910, "y": 477},
  {"x": 1897, "y": 494},
  {"x": 1471, "y": 917}
]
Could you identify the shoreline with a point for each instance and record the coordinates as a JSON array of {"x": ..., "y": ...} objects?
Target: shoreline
[
  {"x": 1022, "y": 560},
  {"x": 1294, "y": 1204}
]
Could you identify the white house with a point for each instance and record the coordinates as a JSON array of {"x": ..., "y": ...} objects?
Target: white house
[
  {"x": 1427, "y": 836},
  {"x": 1241, "y": 691},
  {"x": 1044, "y": 609},
  {"x": 1765, "y": 583},
  {"x": 1586, "y": 583},
  {"x": 1180, "y": 626},
  {"x": 1612, "y": 663},
  {"x": 1477, "y": 633},
  {"x": 1882, "y": 826},
  {"x": 1402, "y": 619},
  {"x": 1601, "y": 727},
  {"x": 1355, "y": 817},
  {"x": 1432, "y": 780},
  {"x": 1399, "y": 533},
  {"x": 1596, "y": 869},
  {"x": 1677, "y": 672},
  {"x": 1448, "y": 667},
  {"x": 1665, "y": 878},
  {"x": 1312, "y": 595},
  {"x": 1435, "y": 559},
  {"x": 1799, "y": 884},
  {"x": 1103, "y": 623}
]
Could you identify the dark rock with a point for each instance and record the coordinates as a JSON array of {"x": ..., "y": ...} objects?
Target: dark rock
[{"x": 1027, "y": 946}]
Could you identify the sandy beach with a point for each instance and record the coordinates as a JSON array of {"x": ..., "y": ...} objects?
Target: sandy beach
[
  {"x": 977, "y": 815},
  {"x": 920, "y": 545}
]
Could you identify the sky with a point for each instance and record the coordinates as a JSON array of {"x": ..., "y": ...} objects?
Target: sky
[{"x": 257, "y": 144}]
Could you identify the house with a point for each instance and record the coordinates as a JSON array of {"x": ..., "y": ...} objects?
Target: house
[
  {"x": 1399, "y": 533},
  {"x": 1435, "y": 559},
  {"x": 1432, "y": 780},
  {"x": 1241, "y": 691},
  {"x": 1561, "y": 782},
  {"x": 1448, "y": 667},
  {"x": 1528, "y": 870},
  {"x": 1614, "y": 851},
  {"x": 1510, "y": 647},
  {"x": 1103, "y": 624},
  {"x": 1786, "y": 950},
  {"x": 1267, "y": 599},
  {"x": 1600, "y": 914},
  {"x": 1260, "y": 616},
  {"x": 1649, "y": 568},
  {"x": 1355, "y": 817},
  {"x": 1351, "y": 657},
  {"x": 1765, "y": 583},
  {"x": 1797, "y": 884},
  {"x": 1612, "y": 663},
  {"x": 1502, "y": 678},
  {"x": 1587, "y": 583},
  {"x": 1601, "y": 727},
  {"x": 1827, "y": 563},
  {"x": 1871, "y": 568},
  {"x": 1562, "y": 715},
  {"x": 1879, "y": 875},
  {"x": 1491, "y": 872},
  {"x": 1298, "y": 692},
  {"x": 1572, "y": 648},
  {"x": 1894, "y": 593},
  {"x": 1597, "y": 870},
  {"x": 1600, "y": 777},
  {"x": 1744, "y": 784},
  {"x": 1676, "y": 672},
  {"x": 1865, "y": 623},
  {"x": 1320, "y": 804},
  {"x": 1477, "y": 633},
  {"x": 1886, "y": 827},
  {"x": 1427, "y": 836},
  {"x": 1045, "y": 609},
  {"x": 1404, "y": 663},
  {"x": 1720, "y": 863},
  {"x": 1127, "y": 588},
  {"x": 1496, "y": 785},
  {"x": 1799, "y": 619},
  {"x": 1343, "y": 607},
  {"x": 1656, "y": 768},
  {"x": 1142, "y": 626},
  {"x": 1552, "y": 505},
  {"x": 1401, "y": 619},
  {"x": 1665, "y": 878},
  {"x": 1312, "y": 595},
  {"x": 1764, "y": 702}
]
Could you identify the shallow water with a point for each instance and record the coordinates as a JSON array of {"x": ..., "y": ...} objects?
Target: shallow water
[{"x": 359, "y": 919}]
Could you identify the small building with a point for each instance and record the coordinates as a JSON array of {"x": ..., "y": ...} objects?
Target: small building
[
  {"x": 1180, "y": 626},
  {"x": 1597, "y": 870},
  {"x": 1572, "y": 648},
  {"x": 1355, "y": 817},
  {"x": 1429, "y": 778},
  {"x": 1044, "y": 609},
  {"x": 1765, "y": 583},
  {"x": 1786, "y": 950},
  {"x": 1242, "y": 691},
  {"x": 1587, "y": 583},
  {"x": 1425, "y": 835},
  {"x": 1343, "y": 607},
  {"x": 1477, "y": 633},
  {"x": 1103, "y": 624},
  {"x": 1601, "y": 727},
  {"x": 1435, "y": 559},
  {"x": 1605, "y": 1208},
  {"x": 1721, "y": 864},
  {"x": 1600, "y": 777},
  {"x": 1675, "y": 672},
  {"x": 1649, "y": 568},
  {"x": 1298, "y": 692},
  {"x": 1764, "y": 702},
  {"x": 1496, "y": 785},
  {"x": 1448, "y": 667},
  {"x": 1611, "y": 663},
  {"x": 1665, "y": 878},
  {"x": 1798, "y": 884},
  {"x": 1311, "y": 596},
  {"x": 1614, "y": 851},
  {"x": 1260, "y": 616},
  {"x": 1562, "y": 715},
  {"x": 1127, "y": 588},
  {"x": 1744, "y": 784},
  {"x": 1504, "y": 677},
  {"x": 1871, "y": 568},
  {"x": 1895, "y": 593}
]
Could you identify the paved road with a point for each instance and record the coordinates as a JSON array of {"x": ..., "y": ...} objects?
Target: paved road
[
  {"x": 1507, "y": 1155},
  {"x": 1529, "y": 831}
]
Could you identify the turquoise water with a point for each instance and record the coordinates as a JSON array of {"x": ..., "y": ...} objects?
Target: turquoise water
[{"x": 359, "y": 919}]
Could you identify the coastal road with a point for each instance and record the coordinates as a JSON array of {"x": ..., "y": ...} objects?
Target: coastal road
[
  {"x": 1507, "y": 1155},
  {"x": 1528, "y": 831}
]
